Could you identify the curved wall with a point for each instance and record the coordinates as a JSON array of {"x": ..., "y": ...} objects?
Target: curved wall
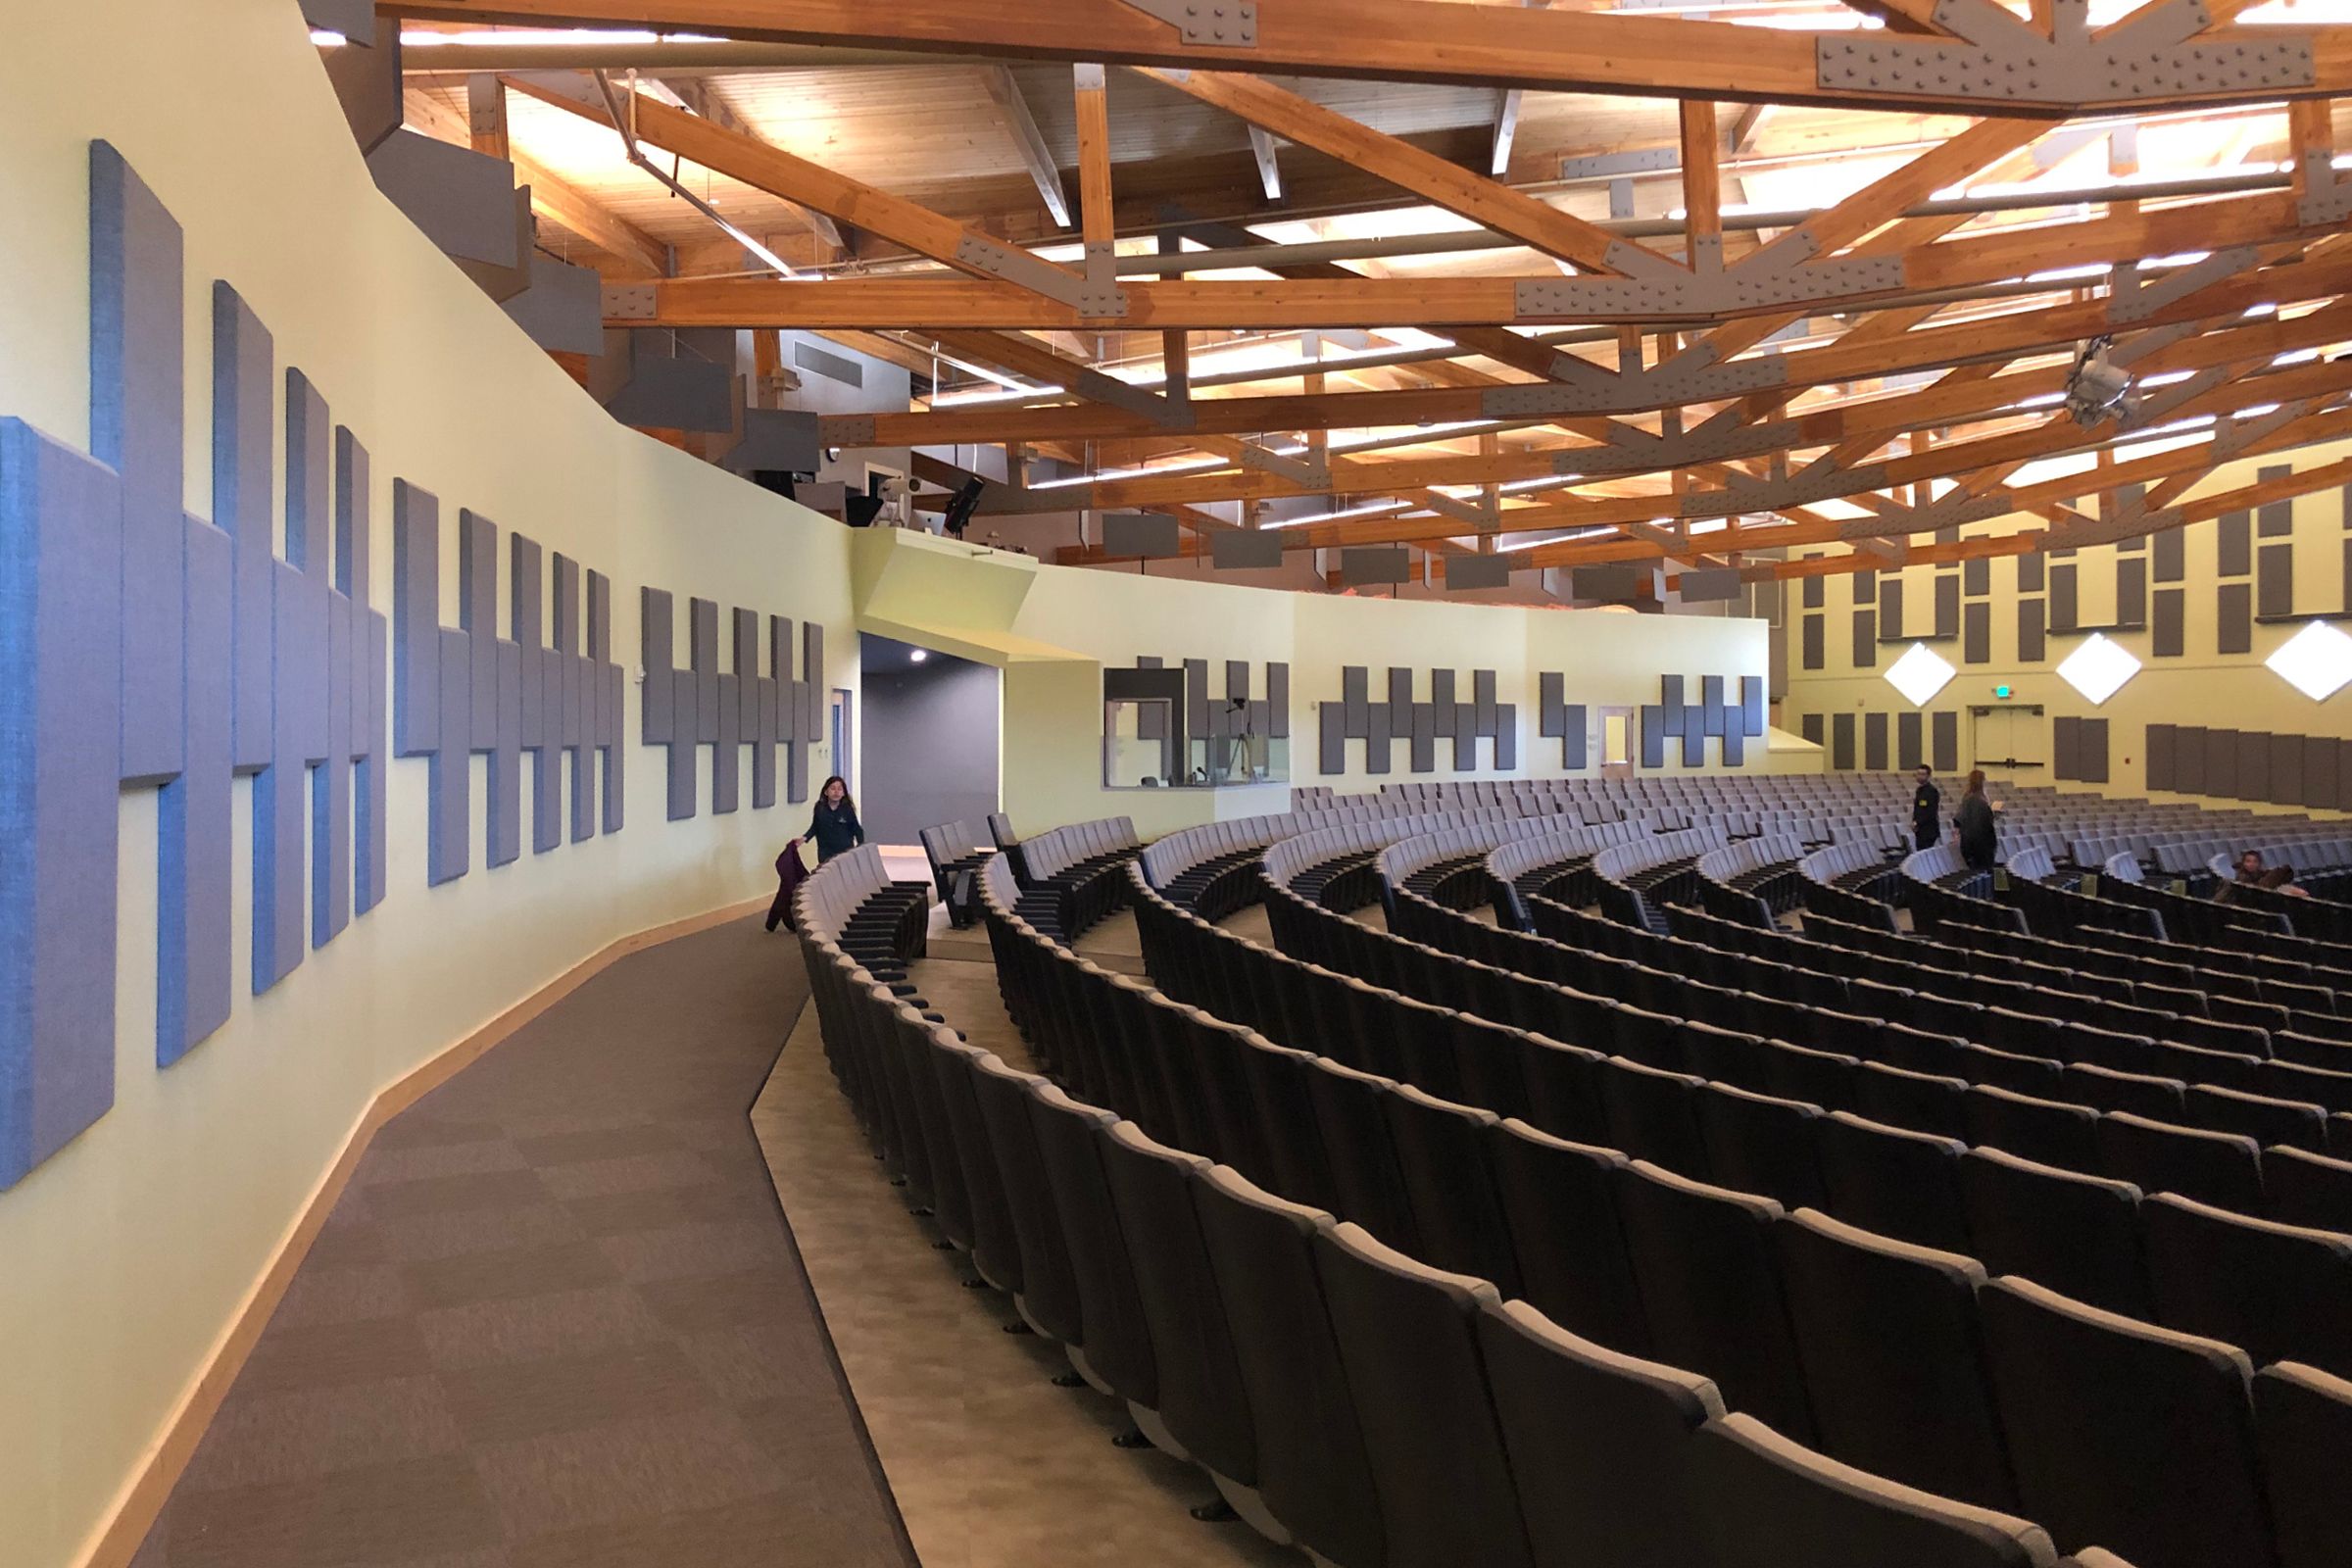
[{"x": 127, "y": 1252}]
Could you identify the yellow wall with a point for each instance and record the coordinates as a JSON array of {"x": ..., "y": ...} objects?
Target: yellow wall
[
  {"x": 2201, "y": 687},
  {"x": 1056, "y": 635},
  {"x": 124, "y": 1258}
]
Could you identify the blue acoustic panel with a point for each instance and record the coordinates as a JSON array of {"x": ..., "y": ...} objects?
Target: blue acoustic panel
[
  {"x": 536, "y": 683},
  {"x": 1654, "y": 735},
  {"x": 242, "y": 443},
  {"x": 61, "y": 658},
  {"x": 1710, "y": 698},
  {"x": 300, "y": 670},
  {"x": 368, "y": 649},
  {"x": 1751, "y": 705},
  {"x": 495, "y": 682},
  {"x": 726, "y": 711},
  {"x": 1574, "y": 739}
]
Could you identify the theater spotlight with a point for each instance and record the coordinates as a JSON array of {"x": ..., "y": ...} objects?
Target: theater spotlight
[{"x": 2096, "y": 388}]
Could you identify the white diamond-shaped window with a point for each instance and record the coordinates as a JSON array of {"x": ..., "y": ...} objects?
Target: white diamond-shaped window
[
  {"x": 2316, "y": 661},
  {"x": 1920, "y": 673},
  {"x": 2098, "y": 668}
]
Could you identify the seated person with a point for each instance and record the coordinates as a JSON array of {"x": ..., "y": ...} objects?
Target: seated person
[
  {"x": 2282, "y": 879},
  {"x": 2250, "y": 869}
]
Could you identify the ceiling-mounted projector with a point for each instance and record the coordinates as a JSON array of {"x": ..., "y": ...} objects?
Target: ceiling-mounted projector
[{"x": 2097, "y": 386}]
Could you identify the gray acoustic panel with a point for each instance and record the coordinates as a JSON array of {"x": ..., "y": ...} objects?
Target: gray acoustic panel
[
  {"x": 1654, "y": 736},
  {"x": 1866, "y": 639},
  {"x": 368, "y": 84},
  {"x": 1890, "y": 607},
  {"x": 1910, "y": 740},
  {"x": 1375, "y": 564},
  {"x": 564, "y": 309},
  {"x": 2343, "y": 776},
  {"x": 2253, "y": 766},
  {"x": 1975, "y": 577},
  {"x": 2274, "y": 520},
  {"x": 1815, "y": 593},
  {"x": 1146, "y": 534},
  {"x": 2168, "y": 559},
  {"x": 2032, "y": 642},
  {"x": 1841, "y": 742},
  {"x": 2167, "y": 623},
  {"x": 1710, "y": 698},
  {"x": 1865, "y": 585},
  {"x": 1401, "y": 688},
  {"x": 1481, "y": 698},
  {"x": 1874, "y": 742},
  {"x": 2286, "y": 771},
  {"x": 2032, "y": 571},
  {"x": 1670, "y": 693},
  {"x": 463, "y": 199},
  {"x": 1613, "y": 584},
  {"x": 1196, "y": 697},
  {"x": 1943, "y": 741},
  {"x": 355, "y": 20},
  {"x": 1237, "y": 679},
  {"x": 2159, "y": 761},
  {"x": 1575, "y": 751},
  {"x": 2064, "y": 616},
  {"x": 1278, "y": 700},
  {"x": 1976, "y": 632},
  {"x": 1810, "y": 642},
  {"x": 1715, "y": 585},
  {"x": 1355, "y": 697},
  {"x": 1334, "y": 746},
  {"x": 833, "y": 366},
  {"x": 1694, "y": 736},
  {"x": 2220, "y": 763},
  {"x": 1377, "y": 735},
  {"x": 1245, "y": 550},
  {"x": 2234, "y": 544},
  {"x": 2275, "y": 579},
  {"x": 1465, "y": 573},
  {"x": 1809, "y": 726},
  {"x": 1947, "y": 605},
  {"x": 2322, "y": 786},
  {"x": 2234, "y": 618},
  {"x": 1506, "y": 737},
  {"x": 779, "y": 441},
  {"x": 1551, "y": 688},
  {"x": 2188, "y": 758},
  {"x": 1751, "y": 705},
  {"x": 2066, "y": 740},
  {"x": 2091, "y": 757},
  {"x": 1425, "y": 738},
  {"x": 676, "y": 394},
  {"x": 2130, "y": 591}
]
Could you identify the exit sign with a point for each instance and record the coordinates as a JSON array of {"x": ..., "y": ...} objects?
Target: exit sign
[{"x": 2002, "y": 692}]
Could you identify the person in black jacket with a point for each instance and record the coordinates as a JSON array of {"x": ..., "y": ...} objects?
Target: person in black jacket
[
  {"x": 1974, "y": 821},
  {"x": 1927, "y": 803},
  {"x": 834, "y": 823}
]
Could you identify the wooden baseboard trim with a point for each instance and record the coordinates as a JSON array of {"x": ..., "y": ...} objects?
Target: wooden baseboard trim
[{"x": 119, "y": 1539}]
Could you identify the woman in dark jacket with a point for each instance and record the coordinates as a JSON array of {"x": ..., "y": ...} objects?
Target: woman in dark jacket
[
  {"x": 1974, "y": 821},
  {"x": 834, "y": 823}
]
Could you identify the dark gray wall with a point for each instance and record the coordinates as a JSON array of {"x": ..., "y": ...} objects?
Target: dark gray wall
[{"x": 929, "y": 738}]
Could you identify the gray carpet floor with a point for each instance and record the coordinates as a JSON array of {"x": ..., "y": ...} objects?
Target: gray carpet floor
[{"x": 558, "y": 1319}]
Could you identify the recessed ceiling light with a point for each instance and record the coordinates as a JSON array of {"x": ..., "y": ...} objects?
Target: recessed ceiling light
[
  {"x": 1920, "y": 673},
  {"x": 918, "y": 655},
  {"x": 2098, "y": 668},
  {"x": 2316, "y": 661}
]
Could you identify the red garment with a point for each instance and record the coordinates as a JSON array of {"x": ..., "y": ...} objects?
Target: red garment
[{"x": 790, "y": 873}]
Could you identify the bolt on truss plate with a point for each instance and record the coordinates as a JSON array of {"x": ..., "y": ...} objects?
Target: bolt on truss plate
[
  {"x": 630, "y": 302},
  {"x": 993, "y": 258},
  {"x": 1691, "y": 376},
  {"x": 2137, "y": 300},
  {"x": 2007, "y": 62}
]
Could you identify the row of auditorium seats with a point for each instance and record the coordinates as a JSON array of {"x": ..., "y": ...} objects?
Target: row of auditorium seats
[
  {"x": 1439, "y": 1142},
  {"x": 955, "y": 852},
  {"x": 1077, "y": 874},
  {"x": 1344, "y": 1395}
]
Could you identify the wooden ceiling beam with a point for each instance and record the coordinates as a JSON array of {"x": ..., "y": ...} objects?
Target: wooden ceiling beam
[
  {"x": 697, "y": 94},
  {"x": 1004, "y": 90},
  {"x": 1401, "y": 40}
]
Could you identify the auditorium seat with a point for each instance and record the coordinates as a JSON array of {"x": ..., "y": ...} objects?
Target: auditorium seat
[
  {"x": 1601, "y": 1443},
  {"x": 1916, "y": 1101},
  {"x": 1222, "y": 1072},
  {"x": 1203, "y": 1405},
  {"x": 1115, "y": 1343},
  {"x": 2293, "y": 1080},
  {"x": 1563, "y": 1090},
  {"x": 1652, "y": 1114},
  {"x": 2112, "y": 1089},
  {"x": 2266, "y": 1120},
  {"x": 1710, "y": 1289},
  {"x": 2046, "y": 1131},
  {"x": 1894, "y": 1362},
  {"x": 1900, "y": 1184},
  {"x": 1313, "y": 1475},
  {"x": 1820, "y": 1078},
  {"x": 1367, "y": 1186},
  {"x": 2303, "y": 1419},
  {"x": 2307, "y": 1189},
  {"x": 1442, "y": 1154},
  {"x": 1759, "y": 1144},
  {"x": 1049, "y": 1295},
  {"x": 2224, "y": 1170},
  {"x": 1279, "y": 1086},
  {"x": 2025, "y": 1075},
  {"x": 1770, "y": 1503},
  {"x": 951, "y": 1205},
  {"x": 1488, "y": 1064},
  {"x": 1560, "y": 1200},
  {"x": 2123, "y": 1434},
  {"x": 2280, "y": 1292},
  {"x": 996, "y": 1249},
  {"x": 1408, "y": 1338},
  {"x": 2076, "y": 1233}
]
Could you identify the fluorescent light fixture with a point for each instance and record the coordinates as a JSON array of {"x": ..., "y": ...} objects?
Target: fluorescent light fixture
[
  {"x": 1920, "y": 673},
  {"x": 2316, "y": 661},
  {"x": 2098, "y": 668}
]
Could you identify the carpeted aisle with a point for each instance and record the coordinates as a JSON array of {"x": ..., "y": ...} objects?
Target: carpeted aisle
[{"x": 558, "y": 1319}]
